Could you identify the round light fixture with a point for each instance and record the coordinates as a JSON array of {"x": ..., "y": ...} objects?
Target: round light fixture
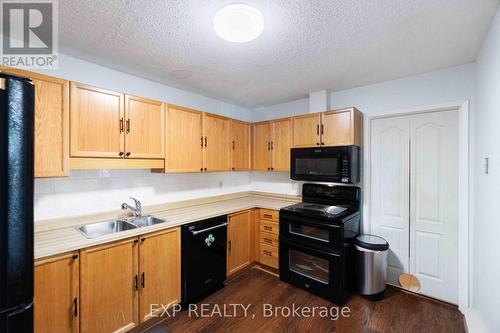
[{"x": 238, "y": 23}]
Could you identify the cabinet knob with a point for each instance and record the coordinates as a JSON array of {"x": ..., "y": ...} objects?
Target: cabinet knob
[
  {"x": 75, "y": 256},
  {"x": 128, "y": 154},
  {"x": 120, "y": 153},
  {"x": 205, "y": 169},
  {"x": 317, "y": 143}
]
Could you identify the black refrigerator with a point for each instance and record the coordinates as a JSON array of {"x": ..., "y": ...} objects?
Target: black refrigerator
[{"x": 16, "y": 204}]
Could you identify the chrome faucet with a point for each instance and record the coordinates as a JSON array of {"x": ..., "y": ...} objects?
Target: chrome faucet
[{"x": 137, "y": 210}]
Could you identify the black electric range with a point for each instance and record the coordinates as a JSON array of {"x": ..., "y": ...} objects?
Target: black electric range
[{"x": 316, "y": 240}]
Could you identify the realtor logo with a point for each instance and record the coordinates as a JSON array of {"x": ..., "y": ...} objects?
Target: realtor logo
[{"x": 29, "y": 34}]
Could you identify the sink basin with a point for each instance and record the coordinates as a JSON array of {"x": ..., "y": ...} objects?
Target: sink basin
[
  {"x": 105, "y": 228},
  {"x": 145, "y": 221}
]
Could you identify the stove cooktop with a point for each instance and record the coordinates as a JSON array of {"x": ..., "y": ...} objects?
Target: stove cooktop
[{"x": 319, "y": 209}]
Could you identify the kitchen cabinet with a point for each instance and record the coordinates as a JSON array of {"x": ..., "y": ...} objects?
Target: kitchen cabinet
[
  {"x": 272, "y": 141},
  {"x": 216, "y": 143},
  {"x": 160, "y": 270},
  {"x": 109, "y": 287},
  {"x": 56, "y": 298},
  {"x": 268, "y": 238},
  {"x": 306, "y": 130},
  {"x": 97, "y": 122},
  {"x": 144, "y": 128},
  {"x": 51, "y": 156},
  {"x": 239, "y": 241},
  {"x": 184, "y": 140},
  {"x": 331, "y": 128},
  {"x": 341, "y": 127},
  {"x": 240, "y": 146}
]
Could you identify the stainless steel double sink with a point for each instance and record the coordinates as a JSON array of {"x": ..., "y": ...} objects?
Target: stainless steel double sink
[{"x": 110, "y": 227}]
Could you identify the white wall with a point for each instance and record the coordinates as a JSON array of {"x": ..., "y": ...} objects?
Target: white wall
[{"x": 486, "y": 272}]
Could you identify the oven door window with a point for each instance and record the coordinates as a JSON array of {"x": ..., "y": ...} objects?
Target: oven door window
[
  {"x": 310, "y": 232},
  {"x": 309, "y": 266},
  {"x": 316, "y": 166}
]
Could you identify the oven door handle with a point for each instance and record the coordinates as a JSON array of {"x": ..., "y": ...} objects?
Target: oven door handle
[{"x": 196, "y": 232}]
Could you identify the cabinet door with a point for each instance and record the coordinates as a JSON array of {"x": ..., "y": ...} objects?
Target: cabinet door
[
  {"x": 239, "y": 241},
  {"x": 160, "y": 267},
  {"x": 261, "y": 146},
  {"x": 217, "y": 143},
  {"x": 306, "y": 130},
  {"x": 97, "y": 122},
  {"x": 281, "y": 144},
  {"x": 56, "y": 298},
  {"x": 341, "y": 128},
  {"x": 240, "y": 146},
  {"x": 144, "y": 128},
  {"x": 184, "y": 140},
  {"x": 109, "y": 287},
  {"x": 51, "y": 123}
]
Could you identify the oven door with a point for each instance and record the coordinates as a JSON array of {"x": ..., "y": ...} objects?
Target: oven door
[
  {"x": 314, "y": 270},
  {"x": 311, "y": 232},
  {"x": 325, "y": 164}
]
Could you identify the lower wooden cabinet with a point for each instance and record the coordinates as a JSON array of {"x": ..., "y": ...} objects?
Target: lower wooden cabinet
[
  {"x": 109, "y": 287},
  {"x": 56, "y": 298},
  {"x": 268, "y": 238},
  {"x": 239, "y": 241},
  {"x": 160, "y": 269}
]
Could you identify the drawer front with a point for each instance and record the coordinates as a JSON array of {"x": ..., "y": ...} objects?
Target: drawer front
[
  {"x": 271, "y": 227},
  {"x": 268, "y": 214},
  {"x": 267, "y": 238},
  {"x": 269, "y": 256}
]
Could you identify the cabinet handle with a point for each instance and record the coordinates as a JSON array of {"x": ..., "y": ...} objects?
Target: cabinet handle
[
  {"x": 322, "y": 129},
  {"x": 268, "y": 240},
  {"x": 206, "y": 142},
  {"x": 317, "y": 129},
  {"x": 75, "y": 307},
  {"x": 201, "y": 169},
  {"x": 267, "y": 253},
  {"x": 233, "y": 144},
  {"x": 121, "y": 125},
  {"x": 128, "y": 125},
  {"x": 143, "y": 239},
  {"x": 317, "y": 143},
  {"x": 268, "y": 228},
  {"x": 272, "y": 145},
  {"x": 229, "y": 245},
  {"x": 205, "y": 169},
  {"x": 268, "y": 169},
  {"x": 201, "y": 142},
  {"x": 268, "y": 145},
  {"x": 127, "y": 154},
  {"x": 272, "y": 168},
  {"x": 268, "y": 216},
  {"x": 120, "y": 153},
  {"x": 143, "y": 280},
  {"x": 322, "y": 143},
  {"x": 136, "y": 284}
]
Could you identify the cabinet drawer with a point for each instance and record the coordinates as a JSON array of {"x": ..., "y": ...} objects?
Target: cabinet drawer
[
  {"x": 267, "y": 238},
  {"x": 269, "y": 256},
  {"x": 268, "y": 214},
  {"x": 271, "y": 227}
]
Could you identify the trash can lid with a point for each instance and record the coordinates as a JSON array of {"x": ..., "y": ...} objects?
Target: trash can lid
[{"x": 371, "y": 242}]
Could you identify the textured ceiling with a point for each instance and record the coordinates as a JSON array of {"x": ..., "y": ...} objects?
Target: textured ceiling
[{"x": 307, "y": 45}]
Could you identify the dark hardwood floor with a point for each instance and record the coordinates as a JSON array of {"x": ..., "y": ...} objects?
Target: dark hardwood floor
[{"x": 398, "y": 312}]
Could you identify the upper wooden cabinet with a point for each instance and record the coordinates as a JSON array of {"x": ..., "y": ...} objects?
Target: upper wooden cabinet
[
  {"x": 216, "y": 143},
  {"x": 306, "y": 130},
  {"x": 97, "y": 122},
  {"x": 51, "y": 123},
  {"x": 341, "y": 127},
  {"x": 272, "y": 141},
  {"x": 239, "y": 241},
  {"x": 56, "y": 298},
  {"x": 184, "y": 140},
  {"x": 331, "y": 128},
  {"x": 109, "y": 287},
  {"x": 144, "y": 128},
  {"x": 240, "y": 146},
  {"x": 160, "y": 270}
]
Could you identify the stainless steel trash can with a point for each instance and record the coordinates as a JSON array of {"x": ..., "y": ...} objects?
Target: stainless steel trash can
[{"x": 371, "y": 261}]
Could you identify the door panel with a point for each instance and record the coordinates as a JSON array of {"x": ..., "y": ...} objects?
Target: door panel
[
  {"x": 238, "y": 235},
  {"x": 56, "y": 294},
  {"x": 261, "y": 146},
  {"x": 183, "y": 145},
  {"x": 434, "y": 198},
  {"x": 336, "y": 128},
  {"x": 306, "y": 130},
  {"x": 240, "y": 145},
  {"x": 390, "y": 190},
  {"x": 160, "y": 270},
  {"x": 281, "y": 144},
  {"x": 96, "y": 118},
  {"x": 109, "y": 288},
  {"x": 217, "y": 143},
  {"x": 144, "y": 135}
]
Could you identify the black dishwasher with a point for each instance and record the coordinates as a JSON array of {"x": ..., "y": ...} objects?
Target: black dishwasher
[{"x": 203, "y": 258}]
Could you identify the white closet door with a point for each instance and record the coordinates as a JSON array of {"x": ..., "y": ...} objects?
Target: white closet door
[
  {"x": 434, "y": 203},
  {"x": 390, "y": 190}
]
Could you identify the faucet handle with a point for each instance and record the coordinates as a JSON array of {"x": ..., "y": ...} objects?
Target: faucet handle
[{"x": 136, "y": 202}]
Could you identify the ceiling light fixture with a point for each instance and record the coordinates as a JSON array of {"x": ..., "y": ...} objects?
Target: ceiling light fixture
[{"x": 238, "y": 23}]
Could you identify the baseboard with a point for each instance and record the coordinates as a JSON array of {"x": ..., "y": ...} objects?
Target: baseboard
[{"x": 473, "y": 322}]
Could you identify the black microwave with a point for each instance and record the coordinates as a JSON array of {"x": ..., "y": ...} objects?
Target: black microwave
[{"x": 326, "y": 164}]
